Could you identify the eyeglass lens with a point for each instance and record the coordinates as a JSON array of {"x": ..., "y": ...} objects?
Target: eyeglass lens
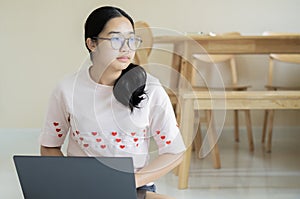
[{"x": 133, "y": 42}]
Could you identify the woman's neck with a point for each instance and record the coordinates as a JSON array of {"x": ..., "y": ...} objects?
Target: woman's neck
[{"x": 106, "y": 77}]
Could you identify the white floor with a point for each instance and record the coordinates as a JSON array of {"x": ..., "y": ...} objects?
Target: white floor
[{"x": 243, "y": 174}]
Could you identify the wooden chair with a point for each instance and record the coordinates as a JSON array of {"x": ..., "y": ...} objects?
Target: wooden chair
[
  {"x": 277, "y": 60},
  {"x": 143, "y": 30},
  {"x": 231, "y": 84}
]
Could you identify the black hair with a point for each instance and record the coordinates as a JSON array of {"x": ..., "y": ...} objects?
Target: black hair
[
  {"x": 129, "y": 88},
  {"x": 97, "y": 20}
]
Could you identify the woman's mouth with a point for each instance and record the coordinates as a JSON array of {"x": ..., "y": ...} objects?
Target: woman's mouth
[{"x": 123, "y": 58}]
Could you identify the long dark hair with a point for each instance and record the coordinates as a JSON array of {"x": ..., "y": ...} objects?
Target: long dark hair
[{"x": 129, "y": 88}]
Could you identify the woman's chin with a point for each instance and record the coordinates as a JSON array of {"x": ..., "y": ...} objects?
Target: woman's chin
[
  {"x": 117, "y": 65},
  {"x": 124, "y": 65}
]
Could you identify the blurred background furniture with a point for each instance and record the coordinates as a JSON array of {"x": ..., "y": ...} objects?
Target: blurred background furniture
[
  {"x": 142, "y": 54},
  {"x": 143, "y": 30},
  {"x": 219, "y": 72},
  {"x": 281, "y": 68},
  {"x": 235, "y": 99},
  {"x": 252, "y": 100}
]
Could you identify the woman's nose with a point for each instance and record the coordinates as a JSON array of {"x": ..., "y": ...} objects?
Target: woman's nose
[{"x": 125, "y": 47}]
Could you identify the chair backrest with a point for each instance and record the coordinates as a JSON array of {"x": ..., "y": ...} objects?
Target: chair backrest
[
  {"x": 142, "y": 54},
  {"x": 284, "y": 58},
  {"x": 143, "y": 30},
  {"x": 215, "y": 59}
]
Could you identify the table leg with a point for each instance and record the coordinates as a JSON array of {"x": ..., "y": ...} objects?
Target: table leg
[
  {"x": 186, "y": 125},
  {"x": 249, "y": 130}
]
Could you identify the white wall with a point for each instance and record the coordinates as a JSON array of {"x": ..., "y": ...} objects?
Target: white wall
[{"x": 41, "y": 41}]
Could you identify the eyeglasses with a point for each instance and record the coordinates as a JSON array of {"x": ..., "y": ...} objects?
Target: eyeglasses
[{"x": 117, "y": 42}]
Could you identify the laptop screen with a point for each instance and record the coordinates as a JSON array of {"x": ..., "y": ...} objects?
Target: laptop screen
[{"x": 76, "y": 177}]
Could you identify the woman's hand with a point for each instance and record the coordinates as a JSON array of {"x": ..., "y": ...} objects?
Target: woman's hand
[{"x": 157, "y": 168}]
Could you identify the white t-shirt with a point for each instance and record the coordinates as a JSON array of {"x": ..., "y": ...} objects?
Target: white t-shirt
[{"x": 98, "y": 125}]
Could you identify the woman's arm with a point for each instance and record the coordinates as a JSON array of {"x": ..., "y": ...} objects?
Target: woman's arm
[
  {"x": 157, "y": 168},
  {"x": 51, "y": 151}
]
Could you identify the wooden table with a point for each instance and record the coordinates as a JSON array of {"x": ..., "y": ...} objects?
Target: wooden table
[
  {"x": 238, "y": 44},
  {"x": 233, "y": 100},
  {"x": 185, "y": 46}
]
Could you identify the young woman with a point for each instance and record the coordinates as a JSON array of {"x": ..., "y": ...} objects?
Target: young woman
[{"x": 113, "y": 107}]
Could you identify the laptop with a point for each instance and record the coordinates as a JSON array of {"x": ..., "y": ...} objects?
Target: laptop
[{"x": 43, "y": 177}]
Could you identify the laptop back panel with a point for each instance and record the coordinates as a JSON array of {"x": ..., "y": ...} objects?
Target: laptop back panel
[{"x": 75, "y": 177}]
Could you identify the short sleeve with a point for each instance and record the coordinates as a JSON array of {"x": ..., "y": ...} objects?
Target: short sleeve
[
  {"x": 57, "y": 121},
  {"x": 163, "y": 124}
]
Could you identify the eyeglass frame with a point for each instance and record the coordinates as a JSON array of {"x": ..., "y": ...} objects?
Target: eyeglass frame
[{"x": 122, "y": 44}]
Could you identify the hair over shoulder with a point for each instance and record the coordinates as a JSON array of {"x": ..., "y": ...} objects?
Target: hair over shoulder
[{"x": 129, "y": 88}]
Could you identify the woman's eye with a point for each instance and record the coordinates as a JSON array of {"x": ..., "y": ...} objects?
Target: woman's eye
[
  {"x": 116, "y": 39},
  {"x": 132, "y": 39}
]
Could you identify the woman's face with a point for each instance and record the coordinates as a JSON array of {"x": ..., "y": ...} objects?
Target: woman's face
[{"x": 106, "y": 54}]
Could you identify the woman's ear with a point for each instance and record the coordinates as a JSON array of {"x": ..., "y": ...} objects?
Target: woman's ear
[{"x": 91, "y": 44}]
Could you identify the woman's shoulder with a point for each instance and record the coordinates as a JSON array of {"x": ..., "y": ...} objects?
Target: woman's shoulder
[
  {"x": 152, "y": 81},
  {"x": 154, "y": 87},
  {"x": 67, "y": 80},
  {"x": 66, "y": 83}
]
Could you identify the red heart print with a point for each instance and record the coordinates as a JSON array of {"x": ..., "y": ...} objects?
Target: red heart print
[
  {"x": 77, "y": 132},
  {"x": 122, "y": 146},
  {"x": 86, "y": 145},
  {"x": 135, "y": 139},
  {"x": 60, "y": 135},
  {"x": 94, "y": 133},
  {"x": 162, "y": 137},
  {"x": 168, "y": 142},
  {"x": 133, "y": 133},
  {"x": 137, "y": 145},
  {"x": 58, "y": 130},
  {"x": 55, "y": 123},
  {"x": 98, "y": 140},
  {"x": 118, "y": 140},
  {"x": 114, "y": 133},
  {"x": 157, "y": 132},
  {"x": 81, "y": 138},
  {"x": 103, "y": 146}
]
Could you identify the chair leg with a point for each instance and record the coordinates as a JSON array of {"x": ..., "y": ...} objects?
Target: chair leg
[
  {"x": 176, "y": 170},
  {"x": 213, "y": 140},
  {"x": 176, "y": 108},
  {"x": 263, "y": 137},
  {"x": 249, "y": 130},
  {"x": 270, "y": 131},
  {"x": 236, "y": 126},
  {"x": 198, "y": 141}
]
